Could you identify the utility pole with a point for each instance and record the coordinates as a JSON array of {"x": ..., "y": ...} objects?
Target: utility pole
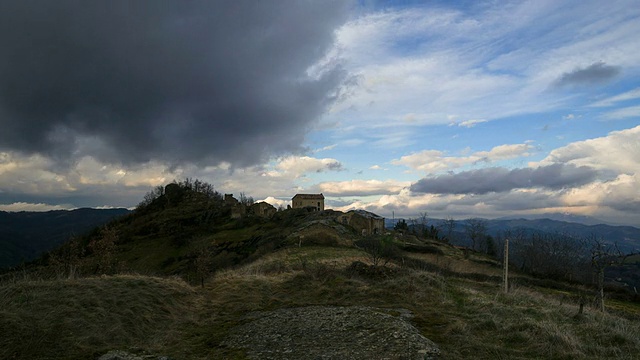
[{"x": 505, "y": 275}]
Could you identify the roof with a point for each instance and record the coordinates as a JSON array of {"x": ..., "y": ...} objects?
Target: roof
[
  {"x": 367, "y": 214},
  {"x": 262, "y": 204},
  {"x": 309, "y": 196}
]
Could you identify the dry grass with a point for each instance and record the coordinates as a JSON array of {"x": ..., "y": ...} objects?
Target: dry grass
[
  {"x": 473, "y": 265},
  {"x": 297, "y": 259},
  {"x": 83, "y": 317},
  {"x": 467, "y": 318}
]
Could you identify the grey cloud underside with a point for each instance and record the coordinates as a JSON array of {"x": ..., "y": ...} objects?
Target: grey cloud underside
[
  {"x": 171, "y": 81},
  {"x": 333, "y": 166},
  {"x": 496, "y": 179},
  {"x": 621, "y": 203},
  {"x": 510, "y": 201},
  {"x": 593, "y": 74}
]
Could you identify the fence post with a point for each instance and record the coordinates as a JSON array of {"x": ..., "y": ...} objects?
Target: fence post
[{"x": 505, "y": 275}]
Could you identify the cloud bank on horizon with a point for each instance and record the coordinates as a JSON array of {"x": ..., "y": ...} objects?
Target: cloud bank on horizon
[{"x": 452, "y": 108}]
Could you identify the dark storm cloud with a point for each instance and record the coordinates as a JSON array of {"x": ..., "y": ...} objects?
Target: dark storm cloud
[
  {"x": 555, "y": 177},
  {"x": 594, "y": 74},
  {"x": 174, "y": 81}
]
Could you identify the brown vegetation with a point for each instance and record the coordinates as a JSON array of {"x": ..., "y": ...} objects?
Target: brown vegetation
[
  {"x": 466, "y": 315},
  {"x": 117, "y": 288}
]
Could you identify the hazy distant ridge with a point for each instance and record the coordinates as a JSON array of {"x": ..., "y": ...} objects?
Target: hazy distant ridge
[
  {"x": 26, "y": 235},
  {"x": 627, "y": 237}
]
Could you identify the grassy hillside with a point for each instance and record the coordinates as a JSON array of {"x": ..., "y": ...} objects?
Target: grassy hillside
[
  {"x": 83, "y": 318},
  {"x": 171, "y": 235},
  {"x": 454, "y": 301},
  {"x": 179, "y": 275}
]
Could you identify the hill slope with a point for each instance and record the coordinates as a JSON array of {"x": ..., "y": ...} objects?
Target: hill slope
[
  {"x": 26, "y": 235},
  {"x": 452, "y": 300},
  {"x": 182, "y": 277},
  {"x": 179, "y": 232}
]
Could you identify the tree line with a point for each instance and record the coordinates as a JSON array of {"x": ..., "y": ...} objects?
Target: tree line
[{"x": 555, "y": 256}]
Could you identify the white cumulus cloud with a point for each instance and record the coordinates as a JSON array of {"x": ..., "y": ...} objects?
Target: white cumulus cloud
[{"x": 435, "y": 161}]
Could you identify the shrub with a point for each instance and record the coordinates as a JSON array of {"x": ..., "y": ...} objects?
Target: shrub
[{"x": 381, "y": 249}]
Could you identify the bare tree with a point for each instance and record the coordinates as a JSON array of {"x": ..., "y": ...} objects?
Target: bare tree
[
  {"x": 246, "y": 201},
  {"x": 602, "y": 256},
  {"x": 551, "y": 255},
  {"x": 448, "y": 225},
  {"x": 103, "y": 249},
  {"x": 490, "y": 247},
  {"x": 477, "y": 231},
  {"x": 203, "y": 264},
  {"x": 151, "y": 196},
  {"x": 67, "y": 259},
  {"x": 413, "y": 226},
  {"x": 380, "y": 249},
  {"x": 422, "y": 224}
]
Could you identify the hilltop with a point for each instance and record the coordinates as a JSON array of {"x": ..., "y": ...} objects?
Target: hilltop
[
  {"x": 178, "y": 228},
  {"x": 183, "y": 277}
]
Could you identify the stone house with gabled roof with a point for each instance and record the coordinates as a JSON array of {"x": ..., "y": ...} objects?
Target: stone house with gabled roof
[
  {"x": 263, "y": 209},
  {"x": 308, "y": 200},
  {"x": 365, "y": 222}
]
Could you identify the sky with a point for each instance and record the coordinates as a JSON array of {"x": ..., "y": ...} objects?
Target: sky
[{"x": 452, "y": 108}]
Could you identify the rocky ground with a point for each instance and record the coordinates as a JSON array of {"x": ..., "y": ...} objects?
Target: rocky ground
[
  {"x": 323, "y": 333},
  {"x": 331, "y": 332}
]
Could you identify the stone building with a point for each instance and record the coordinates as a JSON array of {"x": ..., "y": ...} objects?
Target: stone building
[
  {"x": 308, "y": 200},
  {"x": 237, "y": 209},
  {"x": 366, "y": 223},
  {"x": 229, "y": 200},
  {"x": 263, "y": 209}
]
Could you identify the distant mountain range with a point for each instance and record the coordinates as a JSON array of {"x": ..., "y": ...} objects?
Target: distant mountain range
[
  {"x": 581, "y": 227},
  {"x": 580, "y": 219},
  {"x": 626, "y": 237},
  {"x": 26, "y": 235}
]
